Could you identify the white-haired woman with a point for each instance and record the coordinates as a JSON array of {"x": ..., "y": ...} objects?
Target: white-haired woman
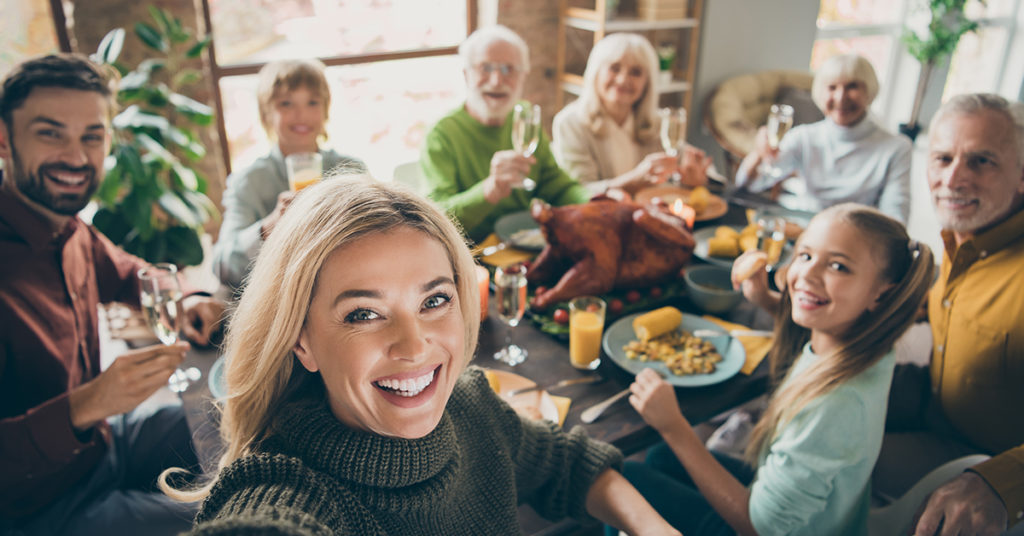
[
  {"x": 845, "y": 157},
  {"x": 350, "y": 409},
  {"x": 608, "y": 138}
]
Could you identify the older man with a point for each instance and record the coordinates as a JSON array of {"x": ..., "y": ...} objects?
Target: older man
[
  {"x": 972, "y": 395},
  {"x": 72, "y": 458},
  {"x": 468, "y": 159}
]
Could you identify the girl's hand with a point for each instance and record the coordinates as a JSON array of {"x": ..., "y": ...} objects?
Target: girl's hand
[
  {"x": 655, "y": 400},
  {"x": 762, "y": 146}
]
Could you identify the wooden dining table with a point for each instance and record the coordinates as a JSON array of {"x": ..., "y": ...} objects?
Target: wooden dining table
[{"x": 548, "y": 363}]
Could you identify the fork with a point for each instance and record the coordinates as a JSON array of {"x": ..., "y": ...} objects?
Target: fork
[{"x": 591, "y": 414}]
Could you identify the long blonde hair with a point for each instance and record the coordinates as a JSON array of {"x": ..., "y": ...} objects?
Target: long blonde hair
[
  {"x": 645, "y": 110},
  {"x": 907, "y": 264},
  {"x": 260, "y": 368}
]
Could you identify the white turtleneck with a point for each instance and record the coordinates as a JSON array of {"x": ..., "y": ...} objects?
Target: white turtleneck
[{"x": 862, "y": 164}]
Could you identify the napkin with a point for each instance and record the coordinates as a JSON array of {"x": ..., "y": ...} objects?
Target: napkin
[
  {"x": 504, "y": 257},
  {"x": 756, "y": 347},
  {"x": 562, "y": 403}
]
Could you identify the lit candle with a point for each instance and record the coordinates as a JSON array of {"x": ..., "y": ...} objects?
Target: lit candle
[
  {"x": 684, "y": 211},
  {"x": 483, "y": 278}
]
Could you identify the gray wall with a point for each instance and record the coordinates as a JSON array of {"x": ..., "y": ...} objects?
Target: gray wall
[{"x": 745, "y": 36}]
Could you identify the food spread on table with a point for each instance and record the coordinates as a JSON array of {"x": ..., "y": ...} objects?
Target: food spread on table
[
  {"x": 658, "y": 338},
  {"x": 605, "y": 244},
  {"x": 729, "y": 242}
]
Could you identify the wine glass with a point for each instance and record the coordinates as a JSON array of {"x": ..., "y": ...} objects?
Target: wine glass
[
  {"x": 160, "y": 296},
  {"x": 780, "y": 120},
  {"x": 526, "y": 134},
  {"x": 510, "y": 294},
  {"x": 673, "y": 135}
]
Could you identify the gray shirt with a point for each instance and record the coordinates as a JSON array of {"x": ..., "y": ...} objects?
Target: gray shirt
[{"x": 251, "y": 195}]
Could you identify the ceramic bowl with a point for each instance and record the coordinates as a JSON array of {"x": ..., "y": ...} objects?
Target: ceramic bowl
[{"x": 710, "y": 288}]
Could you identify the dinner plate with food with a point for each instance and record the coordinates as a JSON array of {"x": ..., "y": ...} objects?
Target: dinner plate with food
[
  {"x": 721, "y": 245},
  {"x": 706, "y": 205},
  {"x": 520, "y": 231},
  {"x": 663, "y": 340}
]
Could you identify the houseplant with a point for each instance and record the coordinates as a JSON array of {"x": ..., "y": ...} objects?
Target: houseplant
[
  {"x": 932, "y": 38},
  {"x": 152, "y": 201}
]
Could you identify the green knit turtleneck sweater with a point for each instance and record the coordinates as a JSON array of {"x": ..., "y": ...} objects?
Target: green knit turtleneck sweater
[{"x": 468, "y": 476}]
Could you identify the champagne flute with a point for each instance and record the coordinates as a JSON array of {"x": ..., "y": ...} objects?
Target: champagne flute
[
  {"x": 160, "y": 296},
  {"x": 673, "y": 135},
  {"x": 780, "y": 120},
  {"x": 526, "y": 134},
  {"x": 510, "y": 294}
]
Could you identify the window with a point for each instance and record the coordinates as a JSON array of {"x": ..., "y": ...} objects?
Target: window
[
  {"x": 872, "y": 28},
  {"x": 391, "y": 65},
  {"x": 27, "y": 29}
]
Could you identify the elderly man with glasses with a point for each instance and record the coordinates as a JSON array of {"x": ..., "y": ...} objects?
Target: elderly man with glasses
[{"x": 468, "y": 160}]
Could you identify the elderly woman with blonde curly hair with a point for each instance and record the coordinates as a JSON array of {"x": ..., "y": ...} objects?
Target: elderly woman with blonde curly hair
[
  {"x": 845, "y": 157},
  {"x": 350, "y": 408},
  {"x": 608, "y": 138}
]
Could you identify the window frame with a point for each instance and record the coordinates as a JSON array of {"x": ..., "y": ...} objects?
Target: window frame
[{"x": 218, "y": 72}]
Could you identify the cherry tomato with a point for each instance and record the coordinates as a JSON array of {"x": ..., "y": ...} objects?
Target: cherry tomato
[
  {"x": 561, "y": 316},
  {"x": 615, "y": 306},
  {"x": 655, "y": 292},
  {"x": 633, "y": 296},
  {"x": 593, "y": 308}
]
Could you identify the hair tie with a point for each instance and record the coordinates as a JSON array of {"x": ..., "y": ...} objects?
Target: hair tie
[{"x": 915, "y": 249}]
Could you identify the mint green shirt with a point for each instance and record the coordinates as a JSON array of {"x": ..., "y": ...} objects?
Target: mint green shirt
[
  {"x": 815, "y": 477},
  {"x": 456, "y": 158}
]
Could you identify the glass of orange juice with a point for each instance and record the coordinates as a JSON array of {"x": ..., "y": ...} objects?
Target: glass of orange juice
[
  {"x": 586, "y": 323},
  {"x": 304, "y": 169}
]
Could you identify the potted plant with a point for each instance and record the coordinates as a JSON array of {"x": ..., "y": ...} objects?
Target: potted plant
[
  {"x": 152, "y": 201},
  {"x": 933, "y": 36}
]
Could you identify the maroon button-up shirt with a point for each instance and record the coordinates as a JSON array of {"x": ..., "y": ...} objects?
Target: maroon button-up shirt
[{"x": 50, "y": 284}]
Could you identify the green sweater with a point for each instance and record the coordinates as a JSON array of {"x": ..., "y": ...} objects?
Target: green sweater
[
  {"x": 468, "y": 476},
  {"x": 456, "y": 158}
]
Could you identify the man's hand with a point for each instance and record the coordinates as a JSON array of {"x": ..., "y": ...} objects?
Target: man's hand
[
  {"x": 508, "y": 169},
  {"x": 129, "y": 380},
  {"x": 283, "y": 200},
  {"x": 964, "y": 505},
  {"x": 693, "y": 167},
  {"x": 202, "y": 315}
]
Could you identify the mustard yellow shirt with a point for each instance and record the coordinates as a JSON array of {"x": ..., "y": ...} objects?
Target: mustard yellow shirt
[{"x": 976, "y": 310}]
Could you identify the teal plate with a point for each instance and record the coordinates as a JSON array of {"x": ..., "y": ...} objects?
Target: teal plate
[{"x": 733, "y": 354}]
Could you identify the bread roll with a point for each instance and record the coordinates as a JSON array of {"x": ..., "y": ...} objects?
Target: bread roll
[
  {"x": 656, "y": 323},
  {"x": 719, "y": 246},
  {"x": 724, "y": 231}
]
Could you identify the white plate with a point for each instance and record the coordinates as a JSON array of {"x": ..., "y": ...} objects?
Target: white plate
[
  {"x": 510, "y": 224},
  {"x": 733, "y": 354},
  {"x": 216, "y": 380},
  {"x": 529, "y": 404}
]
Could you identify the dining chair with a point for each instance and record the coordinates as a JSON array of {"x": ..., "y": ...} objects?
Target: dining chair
[
  {"x": 894, "y": 519},
  {"x": 409, "y": 174}
]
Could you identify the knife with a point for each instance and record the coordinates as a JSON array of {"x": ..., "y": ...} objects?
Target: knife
[{"x": 563, "y": 383}]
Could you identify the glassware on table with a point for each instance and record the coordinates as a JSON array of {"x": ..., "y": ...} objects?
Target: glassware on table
[
  {"x": 483, "y": 277},
  {"x": 673, "y": 135},
  {"x": 160, "y": 297},
  {"x": 780, "y": 120},
  {"x": 510, "y": 299},
  {"x": 771, "y": 235},
  {"x": 304, "y": 169},
  {"x": 586, "y": 323},
  {"x": 526, "y": 134}
]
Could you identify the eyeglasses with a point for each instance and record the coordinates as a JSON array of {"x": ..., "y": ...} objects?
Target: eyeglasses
[{"x": 505, "y": 69}]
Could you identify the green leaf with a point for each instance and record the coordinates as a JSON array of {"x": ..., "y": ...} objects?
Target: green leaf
[
  {"x": 199, "y": 200},
  {"x": 110, "y": 46},
  {"x": 177, "y": 209},
  {"x": 186, "y": 177},
  {"x": 112, "y": 224},
  {"x": 186, "y": 77},
  {"x": 184, "y": 245},
  {"x": 193, "y": 150},
  {"x": 151, "y": 37},
  {"x": 111, "y": 185},
  {"x": 156, "y": 150},
  {"x": 133, "y": 117},
  {"x": 194, "y": 110},
  {"x": 198, "y": 48},
  {"x": 162, "y": 18}
]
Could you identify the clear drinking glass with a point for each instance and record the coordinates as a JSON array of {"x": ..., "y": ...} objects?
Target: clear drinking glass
[
  {"x": 526, "y": 134},
  {"x": 304, "y": 169},
  {"x": 510, "y": 298},
  {"x": 586, "y": 323},
  {"x": 160, "y": 297},
  {"x": 780, "y": 120},
  {"x": 673, "y": 135}
]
